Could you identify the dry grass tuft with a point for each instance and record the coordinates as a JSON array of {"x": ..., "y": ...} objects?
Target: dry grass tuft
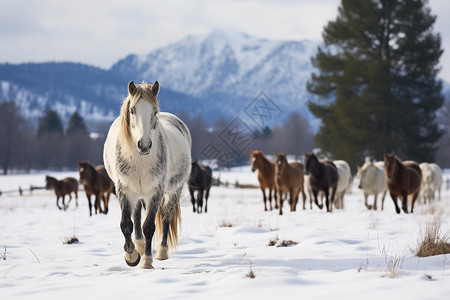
[
  {"x": 287, "y": 243},
  {"x": 225, "y": 224},
  {"x": 250, "y": 273},
  {"x": 272, "y": 242},
  {"x": 283, "y": 243},
  {"x": 434, "y": 242},
  {"x": 72, "y": 240},
  {"x": 394, "y": 265},
  {"x": 3, "y": 255}
]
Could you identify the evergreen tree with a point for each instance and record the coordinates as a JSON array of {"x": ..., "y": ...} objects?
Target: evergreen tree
[
  {"x": 376, "y": 81},
  {"x": 76, "y": 125},
  {"x": 50, "y": 124}
]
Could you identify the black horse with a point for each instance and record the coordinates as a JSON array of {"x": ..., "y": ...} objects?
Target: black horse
[
  {"x": 200, "y": 181},
  {"x": 323, "y": 176}
]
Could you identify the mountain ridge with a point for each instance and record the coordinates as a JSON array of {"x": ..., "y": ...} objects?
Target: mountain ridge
[{"x": 215, "y": 75}]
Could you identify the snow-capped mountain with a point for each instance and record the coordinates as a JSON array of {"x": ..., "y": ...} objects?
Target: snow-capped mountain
[
  {"x": 230, "y": 68},
  {"x": 214, "y": 75}
]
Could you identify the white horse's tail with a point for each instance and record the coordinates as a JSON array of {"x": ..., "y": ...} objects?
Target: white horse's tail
[{"x": 172, "y": 236}]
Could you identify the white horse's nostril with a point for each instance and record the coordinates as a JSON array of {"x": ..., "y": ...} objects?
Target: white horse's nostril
[{"x": 144, "y": 149}]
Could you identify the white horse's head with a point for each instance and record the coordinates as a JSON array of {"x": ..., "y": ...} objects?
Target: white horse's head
[{"x": 140, "y": 115}]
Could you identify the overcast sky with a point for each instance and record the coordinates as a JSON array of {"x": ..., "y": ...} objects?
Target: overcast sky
[{"x": 100, "y": 33}]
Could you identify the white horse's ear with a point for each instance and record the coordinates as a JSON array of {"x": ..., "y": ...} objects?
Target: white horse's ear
[
  {"x": 155, "y": 88},
  {"x": 132, "y": 89}
]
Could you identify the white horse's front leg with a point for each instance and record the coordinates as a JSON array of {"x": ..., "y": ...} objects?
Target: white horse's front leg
[
  {"x": 139, "y": 240},
  {"x": 132, "y": 257},
  {"x": 149, "y": 228}
]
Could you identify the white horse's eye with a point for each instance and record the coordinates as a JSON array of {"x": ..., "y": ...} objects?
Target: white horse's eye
[{"x": 133, "y": 110}]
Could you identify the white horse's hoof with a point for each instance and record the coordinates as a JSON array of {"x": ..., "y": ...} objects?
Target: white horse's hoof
[
  {"x": 140, "y": 246},
  {"x": 161, "y": 253},
  {"x": 147, "y": 262},
  {"x": 132, "y": 259}
]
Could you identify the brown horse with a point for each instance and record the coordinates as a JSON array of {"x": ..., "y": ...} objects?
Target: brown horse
[
  {"x": 96, "y": 182},
  {"x": 266, "y": 176},
  {"x": 62, "y": 188},
  {"x": 323, "y": 176},
  {"x": 288, "y": 179},
  {"x": 403, "y": 179}
]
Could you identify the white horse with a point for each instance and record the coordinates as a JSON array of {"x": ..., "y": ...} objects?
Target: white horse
[
  {"x": 344, "y": 182},
  {"x": 431, "y": 181},
  {"x": 308, "y": 191},
  {"x": 372, "y": 180},
  {"x": 147, "y": 154}
]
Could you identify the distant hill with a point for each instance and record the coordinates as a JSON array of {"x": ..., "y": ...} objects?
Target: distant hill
[{"x": 215, "y": 75}]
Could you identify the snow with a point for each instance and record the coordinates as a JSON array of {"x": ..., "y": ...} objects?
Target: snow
[{"x": 346, "y": 254}]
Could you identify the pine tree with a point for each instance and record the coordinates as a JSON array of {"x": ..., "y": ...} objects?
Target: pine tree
[
  {"x": 76, "y": 125},
  {"x": 50, "y": 124},
  {"x": 376, "y": 81}
]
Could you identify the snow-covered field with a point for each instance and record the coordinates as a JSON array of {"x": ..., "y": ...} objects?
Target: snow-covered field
[{"x": 349, "y": 254}]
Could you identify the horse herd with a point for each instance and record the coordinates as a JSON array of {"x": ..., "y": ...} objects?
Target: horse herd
[
  {"x": 95, "y": 181},
  {"x": 332, "y": 179},
  {"x": 316, "y": 179},
  {"x": 147, "y": 161}
]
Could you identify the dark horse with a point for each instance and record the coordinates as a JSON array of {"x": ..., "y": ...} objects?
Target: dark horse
[
  {"x": 323, "y": 176},
  {"x": 96, "y": 182},
  {"x": 62, "y": 188},
  {"x": 288, "y": 179},
  {"x": 403, "y": 179},
  {"x": 266, "y": 176},
  {"x": 200, "y": 181}
]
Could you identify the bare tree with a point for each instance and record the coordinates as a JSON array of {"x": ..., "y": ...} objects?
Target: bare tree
[
  {"x": 12, "y": 135},
  {"x": 293, "y": 137}
]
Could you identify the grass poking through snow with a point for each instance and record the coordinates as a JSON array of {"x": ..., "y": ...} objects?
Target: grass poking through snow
[{"x": 434, "y": 242}]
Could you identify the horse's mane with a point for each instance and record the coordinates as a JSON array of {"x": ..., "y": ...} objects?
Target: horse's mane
[
  {"x": 281, "y": 156},
  {"x": 143, "y": 91},
  {"x": 90, "y": 166},
  {"x": 258, "y": 153}
]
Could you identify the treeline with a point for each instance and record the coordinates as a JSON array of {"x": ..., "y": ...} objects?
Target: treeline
[
  {"x": 294, "y": 136},
  {"x": 24, "y": 147},
  {"x": 49, "y": 145}
]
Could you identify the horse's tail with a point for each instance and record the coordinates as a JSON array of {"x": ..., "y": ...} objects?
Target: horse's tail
[{"x": 172, "y": 237}]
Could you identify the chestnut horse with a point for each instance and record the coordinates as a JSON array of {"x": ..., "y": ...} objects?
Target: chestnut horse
[
  {"x": 266, "y": 176},
  {"x": 288, "y": 179},
  {"x": 62, "y": 188},
  {"x": 96, "y": 182},
  {"x": 403, "y": 179},
  {"x": 323, "y": 176}
]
